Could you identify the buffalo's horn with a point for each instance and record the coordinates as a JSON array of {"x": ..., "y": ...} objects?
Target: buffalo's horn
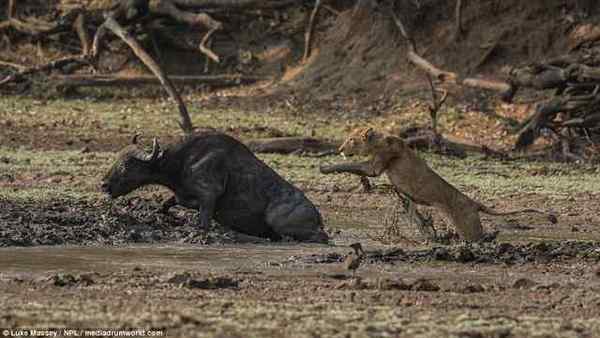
[
  {"x": 155, "y": 150},
  {"x": 135, "y": 138}
]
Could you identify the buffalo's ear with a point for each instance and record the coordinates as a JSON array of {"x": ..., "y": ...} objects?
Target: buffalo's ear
[
  {"x": 135, "y": 139},
  {"x": 155, "y": 150}
]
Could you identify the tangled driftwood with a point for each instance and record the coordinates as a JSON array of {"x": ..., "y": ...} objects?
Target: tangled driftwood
[
  {"x": 571, "y": 117},
  {"x": 116, "y": 18}
]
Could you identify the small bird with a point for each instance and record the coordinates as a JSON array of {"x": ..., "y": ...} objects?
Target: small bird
[{"x": 353, "y": 260}]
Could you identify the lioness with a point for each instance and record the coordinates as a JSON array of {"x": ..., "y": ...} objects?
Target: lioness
[{"x": 413, "y": 177}]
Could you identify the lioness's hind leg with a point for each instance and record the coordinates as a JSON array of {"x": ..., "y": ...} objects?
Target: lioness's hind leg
[{"x": 467, "y": 222}]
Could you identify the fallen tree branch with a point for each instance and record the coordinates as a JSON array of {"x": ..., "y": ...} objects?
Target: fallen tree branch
[
  {"x": 546, "y": 112},
  {"x": 36, "y": 29},
  {"x": 234, "y": 4},
  {"x": 168, "y": 7},
  {"x": 205, "y": 49},
  {"x": 287, "y": 145},
  {"x": 117, "y": 29},
  {"x": 448, "y": 77},
  {"x": 119, "y": 80},
  {"x": 82, "y": 33},
  {"x": 12, "y": 65},
  {"x": 59, "y": 63},
  {"x": 430, "y": 69}
]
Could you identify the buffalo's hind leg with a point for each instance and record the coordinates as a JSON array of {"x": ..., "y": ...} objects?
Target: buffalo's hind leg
[
  {"x": 298, "y": 220},
  {"x": 168, "y": 204}
]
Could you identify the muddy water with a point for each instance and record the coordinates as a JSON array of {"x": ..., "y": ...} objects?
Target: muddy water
[{"x": 37, "y": 260}]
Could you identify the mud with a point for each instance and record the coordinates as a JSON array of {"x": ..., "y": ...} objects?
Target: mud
[
  {"x": 240, "y": 291},
  {"x": 130, "y": 220},
  {"x": 488, "y": 253}
]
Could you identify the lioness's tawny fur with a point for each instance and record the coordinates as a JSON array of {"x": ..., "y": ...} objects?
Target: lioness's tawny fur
[{"x": 413, "y": 177}]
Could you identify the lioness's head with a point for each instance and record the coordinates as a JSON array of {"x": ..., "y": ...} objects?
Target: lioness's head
[{"x": 361, "y": 141}]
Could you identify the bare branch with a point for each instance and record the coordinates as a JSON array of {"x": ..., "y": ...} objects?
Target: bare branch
[
  {"x": 204, "y": 48},
  {"x": 113, "y": 25},
  {"x": 82, "y": 33},
  {"x": 443, "y": 75},
  {"x": 11, "y": 10},
  {"x": 458, "y": 17},
  {"x": 430, "y": 69},
  {"x": 59, "y": 63},
  {"x": 310, "y": 30},
  {"x": 12, "y": 65},
  {"x": 239, "y": 4},
  {"x": 194, "y": 19}
]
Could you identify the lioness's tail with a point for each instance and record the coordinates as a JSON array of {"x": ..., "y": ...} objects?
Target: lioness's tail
[{"x": 490, "y": 211}]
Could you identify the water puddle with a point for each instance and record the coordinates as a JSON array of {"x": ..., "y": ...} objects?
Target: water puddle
[{"x": 38, "y": 260}]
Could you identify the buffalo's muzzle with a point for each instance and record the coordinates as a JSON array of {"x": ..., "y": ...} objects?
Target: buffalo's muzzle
[{"x": 105, "y": 188}]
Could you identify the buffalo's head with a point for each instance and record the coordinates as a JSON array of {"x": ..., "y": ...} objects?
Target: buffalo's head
[{"x": 132, "y": 169}]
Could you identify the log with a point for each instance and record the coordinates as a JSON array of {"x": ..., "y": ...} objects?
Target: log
[
  {"x": 494, "y": 85},
  {"x": 119, "y": 80},
  {"x": 546, "y": 78},
  {"x": 591, "y": 73},
  {"x": 287, "y": 145},
  {"x": 584, "y": 34},
  {"x": 430, "y": 69}
]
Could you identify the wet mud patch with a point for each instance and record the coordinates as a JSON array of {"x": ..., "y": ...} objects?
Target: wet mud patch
[
  {"x": 490, "y": 253},
  {"x": 137, "y": 278},
  {"x": 133, "y": 220},
  {"x": 186, "y": 279}
]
